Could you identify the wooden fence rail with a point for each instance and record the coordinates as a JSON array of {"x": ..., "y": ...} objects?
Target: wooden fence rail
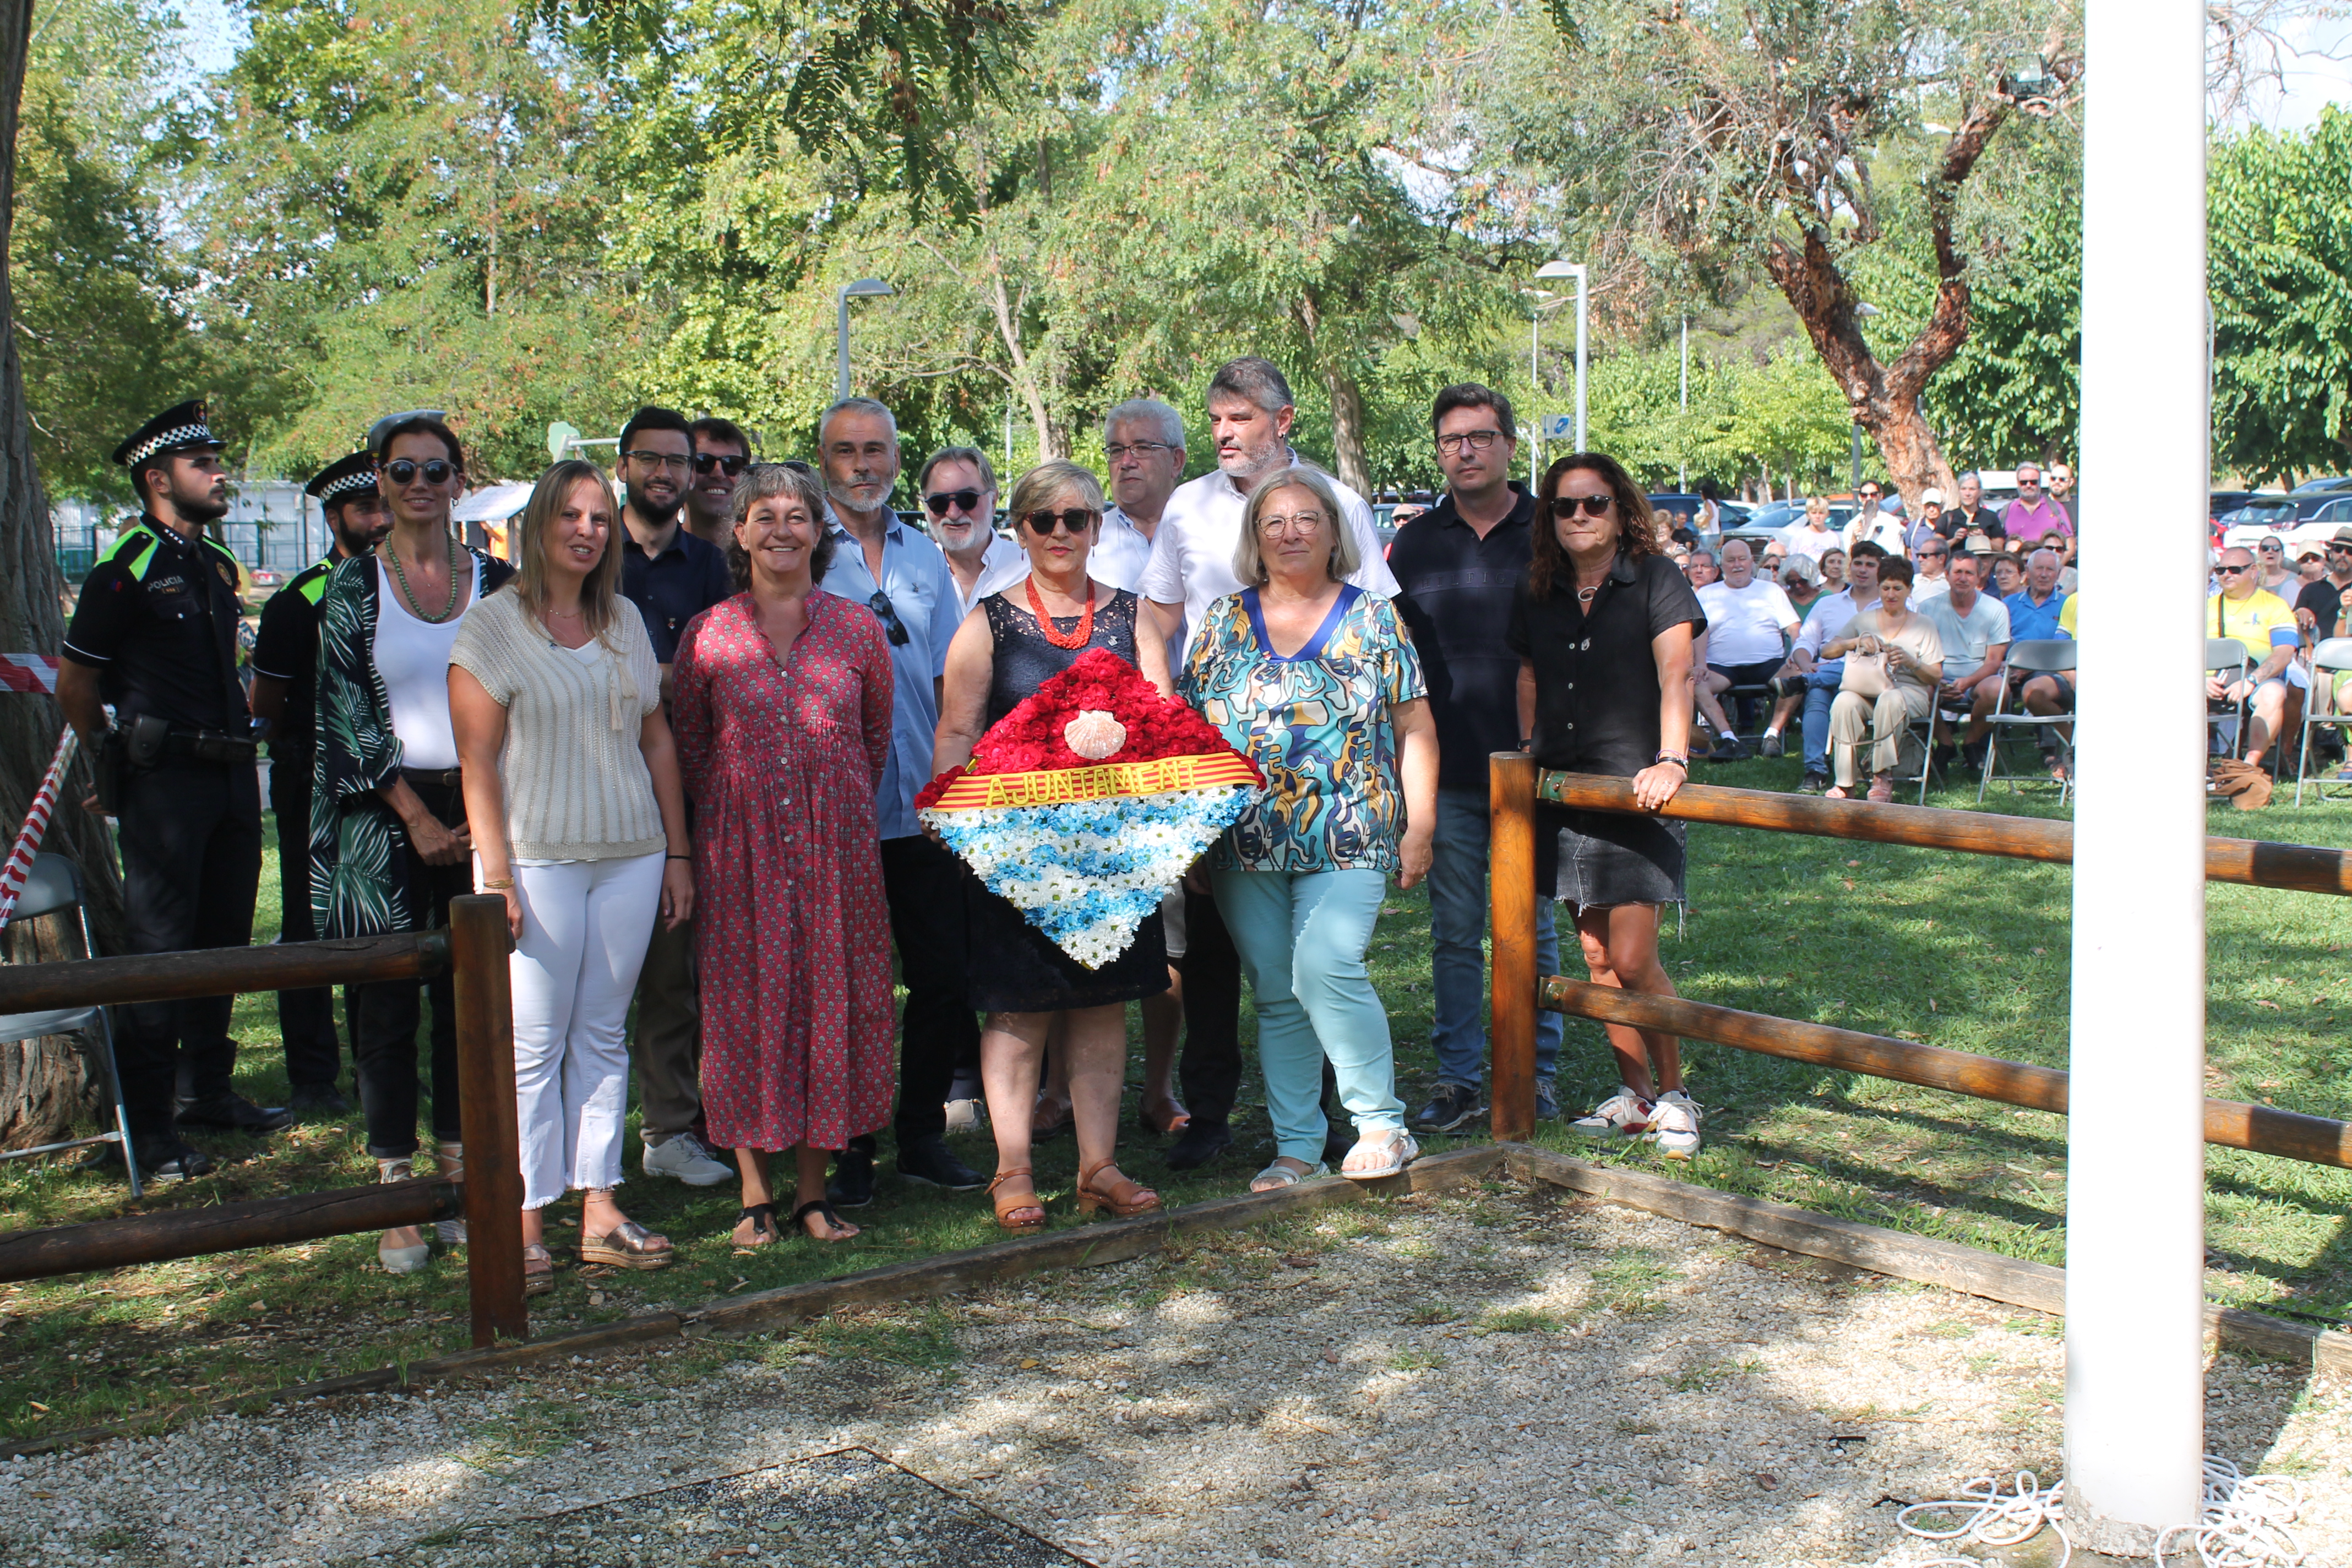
[
  {"x": 2264, "y": 1130},
  {"x": 474, "y": 950},
  {"x": 1516, "y": 786},
  {"x": 2293, "y": 868}
]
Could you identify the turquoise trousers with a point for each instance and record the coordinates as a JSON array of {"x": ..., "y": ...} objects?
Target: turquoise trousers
[{"x": 1301, "y": 936}]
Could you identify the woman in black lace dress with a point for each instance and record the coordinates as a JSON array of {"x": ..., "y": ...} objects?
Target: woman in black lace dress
[{"x": 1011, "y": 644}]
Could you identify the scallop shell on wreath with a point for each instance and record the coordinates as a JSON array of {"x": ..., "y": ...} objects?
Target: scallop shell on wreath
[{"x": 1094, "y": 734}]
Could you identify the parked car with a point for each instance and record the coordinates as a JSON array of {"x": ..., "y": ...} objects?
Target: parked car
[
  {"x": 2304, "y": 522},
  {"x": 1731, "y": 512},
  {"x": 1774, "y": 516},
  {"x": 2325, "y": 483}
]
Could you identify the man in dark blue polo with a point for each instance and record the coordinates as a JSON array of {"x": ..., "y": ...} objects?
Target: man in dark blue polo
[
  {"x": 1457, "y": 567},
  {"x": 671, "y": 576}
]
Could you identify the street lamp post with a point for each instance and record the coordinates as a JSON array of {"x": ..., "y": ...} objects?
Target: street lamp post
[
  {"x": 864, "y": 289},
  {"x": 1574, "y": 270}
]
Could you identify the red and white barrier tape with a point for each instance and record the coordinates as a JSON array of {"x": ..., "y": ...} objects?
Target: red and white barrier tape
[
  {"x": 36, "y": 824},
  {"x": 28, "y": 672}
]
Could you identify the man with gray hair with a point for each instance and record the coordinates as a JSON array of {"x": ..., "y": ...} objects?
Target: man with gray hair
[
  {"x": 1143, "y": 442},
  {"x": 1191, "y": 567},
  {"x": 901, "y": 575},
  {"x": 958, "y": 485}
]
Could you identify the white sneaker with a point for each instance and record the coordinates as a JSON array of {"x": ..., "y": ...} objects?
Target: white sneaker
[
  {"x": 967, "y": 1115},
  {"x": 684, "y": 1157},
  {"x": 1675, "y": 1125},
  {"x": 1623, "y": 1114}
]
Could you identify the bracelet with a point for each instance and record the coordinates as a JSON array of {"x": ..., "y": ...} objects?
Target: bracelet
[
  {"x": 678, "y": 857},
  {"x": 499, "y": 885},
  {"x": 1682, "y": 762}
]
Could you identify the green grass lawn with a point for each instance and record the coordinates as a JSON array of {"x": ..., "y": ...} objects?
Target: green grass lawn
[{"x": 1960, "y": 951}]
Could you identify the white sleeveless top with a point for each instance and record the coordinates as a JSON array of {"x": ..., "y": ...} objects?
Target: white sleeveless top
[{"x": 413, "y": 657}]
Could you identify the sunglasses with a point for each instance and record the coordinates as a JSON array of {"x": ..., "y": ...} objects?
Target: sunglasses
[
  {"x": 895, "y": 628},
  {"x": 402, "y": 471},
  {"x": 939, "y": 503},
  {"x": 1565, "y": 507},
  {"x": 705, "y": 462},
  {"x": 1074, "y": 521},
  {"x": 2234, "y": 571}
]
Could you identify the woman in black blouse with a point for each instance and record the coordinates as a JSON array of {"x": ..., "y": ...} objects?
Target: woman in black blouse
[{"x": 1604, "y": 628}]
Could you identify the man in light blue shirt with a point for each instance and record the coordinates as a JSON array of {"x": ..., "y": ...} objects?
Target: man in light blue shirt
[{"x": 903, "y": 578}]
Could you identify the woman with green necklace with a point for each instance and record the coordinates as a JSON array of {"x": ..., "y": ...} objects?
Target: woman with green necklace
[{"x": 388, "y": 844}]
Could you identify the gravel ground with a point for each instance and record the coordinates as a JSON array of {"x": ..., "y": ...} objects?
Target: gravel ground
[{"x": 1495, "y": 1377}]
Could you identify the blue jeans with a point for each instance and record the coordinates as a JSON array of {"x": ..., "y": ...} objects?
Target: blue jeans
[
  {"x": 1301, "y": 936},
  {"x": 1457, "y": 961},
  {"x": 1820, "y": 691}
]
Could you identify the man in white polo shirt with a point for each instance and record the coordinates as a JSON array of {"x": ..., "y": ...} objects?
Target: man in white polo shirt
[
  {"x": 1749, "y": 621},
  {"x": 1191, "y": 567},
  {"x": 1143, "y": 445}
]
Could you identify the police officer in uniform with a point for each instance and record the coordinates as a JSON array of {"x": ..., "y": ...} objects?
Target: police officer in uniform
[
  {"x": 154, "y": 633},
  {"x": 285, "y": 683}
]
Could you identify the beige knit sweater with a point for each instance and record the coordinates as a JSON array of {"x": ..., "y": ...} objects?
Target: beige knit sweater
[{"x": 576, "y": 783}]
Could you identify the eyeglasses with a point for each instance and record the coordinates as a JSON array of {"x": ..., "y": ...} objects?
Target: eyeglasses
[
  {"x": 1564, "y": 507},
  {"x": 2272, "y": 550},
  {"x": 1074, "y": 520},
  {"x": 2228, "y": 570},
  {"x": 677, "y": 460},
  {"x": 2029, "y": 484},
  {"x": 704, "y": 462},
  {"x": 1476, "y": 440},
  {"x": 895, "y": 628},
  {"x": 1298, "y": 525},
  {"x": 1872, "y": 495},
  {"x": 939, "y": 503},
  {"x": 1119, "y": 451},
  {"x": 402, "y": 471},
  {"x": 1933, "y": 554}
]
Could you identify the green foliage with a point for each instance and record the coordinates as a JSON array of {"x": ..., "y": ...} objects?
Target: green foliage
[
  {"x": 2280, "y": 221},
  {"x": 104, "y": 339}
]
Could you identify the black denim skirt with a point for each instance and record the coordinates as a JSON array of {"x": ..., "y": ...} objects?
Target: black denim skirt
[{"x": 1597, "y": 860}]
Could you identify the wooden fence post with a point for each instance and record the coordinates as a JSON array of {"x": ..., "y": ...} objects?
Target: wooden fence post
[
  {"x": 478, "y": 949},
  {"x": 1511, "y": 865}
]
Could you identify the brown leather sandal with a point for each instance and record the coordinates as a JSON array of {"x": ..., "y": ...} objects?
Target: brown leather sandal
[
  {"x": 1012, "y": 1208},
  {"x": 627, "y": 1245},
  {"x": 1128, "y": 1200},
  {"x": 538, "y": 1269}
]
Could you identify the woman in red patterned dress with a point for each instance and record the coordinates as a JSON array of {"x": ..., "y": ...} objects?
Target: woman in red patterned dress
[{"x": 782, "y": 713}]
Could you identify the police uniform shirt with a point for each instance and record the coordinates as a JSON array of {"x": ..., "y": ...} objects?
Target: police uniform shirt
[
  {"x": 158, "y": 619},
  {"x": 286, "y": 649}
]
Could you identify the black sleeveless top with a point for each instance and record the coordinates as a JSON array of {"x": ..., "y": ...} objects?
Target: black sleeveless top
[{"x": 1024, "y": 661}]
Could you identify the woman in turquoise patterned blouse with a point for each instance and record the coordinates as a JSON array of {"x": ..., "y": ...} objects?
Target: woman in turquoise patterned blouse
[{"x": 1317, "y": 682}]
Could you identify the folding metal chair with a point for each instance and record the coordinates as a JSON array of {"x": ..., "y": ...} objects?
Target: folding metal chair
[
  {"x": 2331, "y": 658},
  {"x": 2228, "y": 659},
  {"x": 55, "y": 885},
  {"x": 2037, "y": 656}
]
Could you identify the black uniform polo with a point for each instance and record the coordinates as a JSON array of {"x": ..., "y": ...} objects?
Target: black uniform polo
[
  {"x": 286, "y": 649},
  {"x": 1596, "y": 676},
  {"x": 158, "y": 619},
  {"x": 1454, "y": 591}
]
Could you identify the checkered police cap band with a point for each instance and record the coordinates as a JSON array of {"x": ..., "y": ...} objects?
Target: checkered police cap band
[
  {"x": 196, "y": 435},
  {"x": 348, "y": 484}
]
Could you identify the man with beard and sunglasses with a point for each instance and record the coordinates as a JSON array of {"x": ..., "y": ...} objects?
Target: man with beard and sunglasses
[
  {"x": 1191, "y": 567},
  {"x": 959, "y": 490},
  {"x": 672, "y": 575},
  {"x": 154, "y": 633},
  {"x": 721, "y": 453},
  {"x": 285, "y": 696},
  {"x": 899, "y": 574}
]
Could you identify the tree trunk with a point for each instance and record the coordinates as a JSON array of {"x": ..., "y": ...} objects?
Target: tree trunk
[
  {"x": 1348, "y": 428},
  {"x": 42, "y": 1082},
  {"x": 46, "y": 1084}
]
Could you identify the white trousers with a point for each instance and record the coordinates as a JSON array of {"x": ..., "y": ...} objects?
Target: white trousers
[{"x": 585, "y": 924}]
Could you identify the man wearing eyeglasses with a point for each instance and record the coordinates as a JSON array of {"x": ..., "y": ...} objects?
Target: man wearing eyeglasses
[
  {"x": 2033, "y": 519},
  {"x": 2319, "y": 605},
  {"x": 672, "y": 575},
  {"x": 958, "y": 485},
  {"x": 902, "y": 576},
  {"x": 1872, "y": 526},
  {"x": 1458, "y": 567},
  {"x": 2260, "y": 623},
  {"x": 1191, "y": 567},
  {"x": 721, "y": 453},
  {"x": 1931, "y": 559},
  {"x": 1143, "y": 441}
]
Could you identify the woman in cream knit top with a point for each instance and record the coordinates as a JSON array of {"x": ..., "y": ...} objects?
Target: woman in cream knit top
[{"x": 578, "y": 820}]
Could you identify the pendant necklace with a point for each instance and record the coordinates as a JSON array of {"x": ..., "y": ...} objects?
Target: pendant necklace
[
  {"x": 1080, "y": 638},
  {"x": 391, "y": 554}
]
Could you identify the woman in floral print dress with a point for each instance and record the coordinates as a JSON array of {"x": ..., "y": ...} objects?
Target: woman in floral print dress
[{"x": 781, "y": 709}]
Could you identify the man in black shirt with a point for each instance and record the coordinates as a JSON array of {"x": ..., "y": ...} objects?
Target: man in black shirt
[
  {"x": 672, "y": 575},
  {"x": 154, "y": 633},
  {"x": 285, "y": 685},
  {"x": 2320, "y": 604},
  {"x": 721, "y": 453},
  {"x": 1458, "y": 567}
]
